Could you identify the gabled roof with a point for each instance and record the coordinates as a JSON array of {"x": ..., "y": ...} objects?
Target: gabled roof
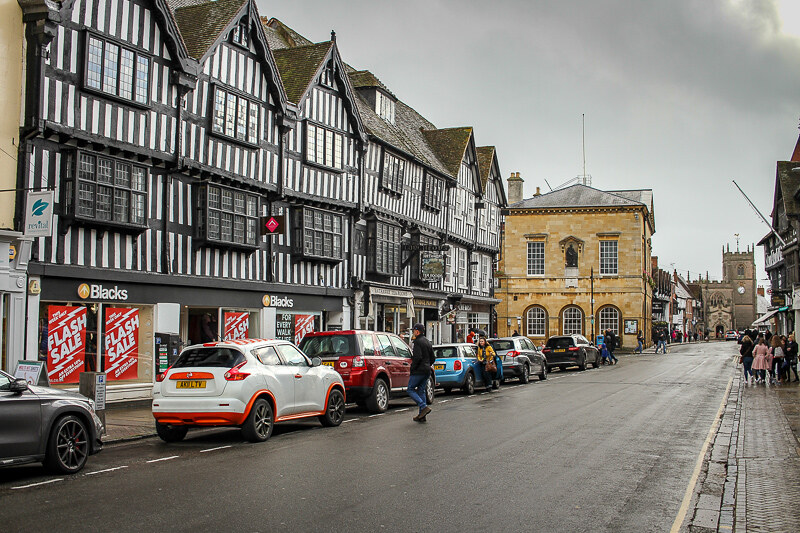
[
  {"x": 796, "y": 154},
  {"x": 577, "y": 195},
  {"x": 449, "y": 145},
  {"x": 365, "y": 78},
  {"x": 280, "y": 35},
  {"x": 485, "y": 160},
  {"x": 299, "y": 67},
  {"x": 787, "y": 185},
  {"x": 644, "y": 196},
  {"x": 202, "y": 24}
]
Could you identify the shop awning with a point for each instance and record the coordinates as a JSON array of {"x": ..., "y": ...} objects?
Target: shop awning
[{"x": 764, "y": 318}]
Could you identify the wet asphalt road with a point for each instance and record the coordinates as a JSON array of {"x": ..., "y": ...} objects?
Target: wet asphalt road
[{"x": 611, "y": 449}]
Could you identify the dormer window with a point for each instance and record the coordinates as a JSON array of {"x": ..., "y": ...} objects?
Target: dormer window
[
  {"x": 384, "y": 106},
  {"x": 239, "y": 34}
]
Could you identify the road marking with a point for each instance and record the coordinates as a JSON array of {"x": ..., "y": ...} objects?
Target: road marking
[
  {"x": 106, "y": 470},
  {"x": 687, "y": 497},
  {"x": 163, "y": 459},
  {"x": 217, "y": 448},
  {"x": 35, "y": 484},
  {"x": 401, "y": 410},
  {"x": 350, "y": 420}
]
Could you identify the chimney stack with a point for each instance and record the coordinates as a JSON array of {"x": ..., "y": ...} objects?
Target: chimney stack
[
  {"x": 538, "y": 192},
  {"x": 514, "y": 188}
]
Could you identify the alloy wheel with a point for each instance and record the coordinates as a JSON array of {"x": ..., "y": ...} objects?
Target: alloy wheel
[
  {"x": 336, "y": 409},
  {"x": 263, "y": 420},
  {"x": 72, "y": 444}
]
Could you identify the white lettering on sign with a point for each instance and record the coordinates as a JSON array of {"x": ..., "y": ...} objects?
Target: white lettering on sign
[
  {"x": 101, "y": 293},
  {"x": 773, "y": 258},
  {"x": 270, "y": 300}
]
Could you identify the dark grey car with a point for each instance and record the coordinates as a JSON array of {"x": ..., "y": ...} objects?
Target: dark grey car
[
  {"x": 59, "y": 428},
  {"x": 520, "y": 358},
  {"x": 571, "y": 350}
]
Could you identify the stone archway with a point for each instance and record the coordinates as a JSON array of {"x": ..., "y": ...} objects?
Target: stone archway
[{"x": 719, "y": 331}]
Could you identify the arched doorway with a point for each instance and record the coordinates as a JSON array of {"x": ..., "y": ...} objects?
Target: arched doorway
[{"x": 719, "y": 331}]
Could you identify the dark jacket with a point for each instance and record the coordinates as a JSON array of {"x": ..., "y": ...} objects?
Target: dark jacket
[
  {"x": 422, "y": 357},
  {"x": 747, "y": 349},
  {"x": 791, "y": 351}
]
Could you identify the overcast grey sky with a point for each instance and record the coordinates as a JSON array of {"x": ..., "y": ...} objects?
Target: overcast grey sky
[{"x": 681, "y": 96}]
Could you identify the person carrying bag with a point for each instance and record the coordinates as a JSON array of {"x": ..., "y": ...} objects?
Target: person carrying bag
[{"x": 486, "y": 357}]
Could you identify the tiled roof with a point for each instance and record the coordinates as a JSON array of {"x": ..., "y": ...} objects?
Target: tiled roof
[
  {"x": 365, "y": 78},
  {"x": 796, "y": 153},
  {"x": 789, "y": 183},
  {"x": 177, "y": 4},
  {"x": 485, "y": 158},
  {"x": 449, "y": 145},
  {"x": 201, "y": 24},
  {"x": 298, "y": 66},
  {"x": 280, "y": 35},
  {"x": 576, "y": 196}
]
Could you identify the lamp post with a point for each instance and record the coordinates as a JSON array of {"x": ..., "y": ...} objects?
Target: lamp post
[{"x": 591, "y": 302}]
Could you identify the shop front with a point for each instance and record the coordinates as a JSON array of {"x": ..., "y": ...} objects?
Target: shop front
[
  {"x": 470, "y": 314},
  {"x": 131, "y": 330},
  {"x": 14, "y": 254},
  {"x": 390, "y": 310},
  {"x": 426, "y": 311}
]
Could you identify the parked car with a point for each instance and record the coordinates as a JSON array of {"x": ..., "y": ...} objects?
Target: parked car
[
  {"x": 250, "y": 383},
  {"x": 56, "y": 427},
  {"x": 731, "y": 336},
  {"x": 571, "y": 350},
  {"x": 456, "y": 366},
  {"x": 520, "y": 357},
  {"x": 375, "y": 366}
]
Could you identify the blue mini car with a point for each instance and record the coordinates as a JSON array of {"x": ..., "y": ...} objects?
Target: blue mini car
[{"x": 456, "y": 366}]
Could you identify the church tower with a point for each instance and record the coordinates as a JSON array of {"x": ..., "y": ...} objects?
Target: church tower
[{"x": 739, "y": 269}]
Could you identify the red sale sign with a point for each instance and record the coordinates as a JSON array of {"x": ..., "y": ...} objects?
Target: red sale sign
[
  {"x": 237, "y": 326},
  {"x": 66, "y": 343},
  {"x": 303, "y": 325},
  {"x": 122, "y": 344}
]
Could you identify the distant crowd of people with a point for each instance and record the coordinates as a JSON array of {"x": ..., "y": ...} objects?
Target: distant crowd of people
[{"x": 767, "y": 358}]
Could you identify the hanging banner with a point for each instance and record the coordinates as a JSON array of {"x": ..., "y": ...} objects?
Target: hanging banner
[
  {"x": 237, "y": 326},
  {"x": 66, "y": 343},
  {"x": 303, "y": 325},
  {"x": 122, "y": 344}
]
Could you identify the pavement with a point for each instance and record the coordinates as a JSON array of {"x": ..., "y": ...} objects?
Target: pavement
[
  {"x": 126, "y": 422},
  {"x": 750, "y": 478}
]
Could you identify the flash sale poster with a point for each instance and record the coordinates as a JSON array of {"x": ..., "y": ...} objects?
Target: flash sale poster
[
  {"x": 66, "y": 343},
  {"x": 303, "y": 325},
  {"x": 237, "y": 326},
  {"x": 122, "y": 344}
]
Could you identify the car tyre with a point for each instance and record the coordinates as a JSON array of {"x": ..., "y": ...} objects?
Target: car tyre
[
  {"x": 469, "y": 384},
  {"x": 543, "y": 375},
  {"x": 596, "y": 362},
  {"x": 169, "y": 433},
  {"x": 68, "y": 445},
  {"x": 526, "y": 374},
  {"x": 429, "y": 392},
  {"x": 258, "y": 425},
  {"x": 334, "y": 411},
  {"x": 378, "y": 401},
  {"x": 582, "y": 365}
]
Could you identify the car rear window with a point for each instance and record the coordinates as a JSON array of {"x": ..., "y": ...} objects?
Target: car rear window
[
  {"x": 502, "y": 346},
  {"x": 559, "y": 342},
  {"x": 328, "y": 345},
  {"x": 449, "y": 351},
  {"x": 209, "y": 357}
]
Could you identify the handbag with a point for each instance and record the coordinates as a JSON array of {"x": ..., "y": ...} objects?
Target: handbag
[{"x": 491, "y": 366}]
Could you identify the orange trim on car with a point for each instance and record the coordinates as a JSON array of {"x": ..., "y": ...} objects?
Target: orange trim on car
[
  {"x": 192, "y": 375},
  {"x": 299, "y": 415}
]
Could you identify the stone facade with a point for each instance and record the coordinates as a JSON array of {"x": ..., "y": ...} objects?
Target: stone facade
[
  {"x": 731, "y": 303},
  {"x": 586, "y": 218}
]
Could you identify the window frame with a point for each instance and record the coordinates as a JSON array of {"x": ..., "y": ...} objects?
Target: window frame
[
  {"x": 335, "y": 134},
  {"x": 529, "y": 319},
  {"x": 138, "y": 54},
  {"x": 392, "y": 184},
  {"x": 252, "y": 130},
  {"x": 300, "y": 227},
  {"x": 601, "y": 319},
  {"x": 604, "y": 260},
  {"x": 386, "y": 248},
  {"x": 250, "y": 216},
  {"x": 563, "y": 320},
  {"x": 432, "y": 193},
  {"x": 240, "y": 35},
  {"x": 532, "y": 261}
]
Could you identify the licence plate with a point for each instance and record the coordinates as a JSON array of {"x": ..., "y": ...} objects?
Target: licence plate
[
  {"x": 560, "y": 350},
  {"x": 438, "y": 367},
  {"x": 198, "y": 384},
  {"x": 328, "y": 363}
]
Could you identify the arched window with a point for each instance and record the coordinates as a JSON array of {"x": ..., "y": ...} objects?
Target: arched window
[
  {"x": 572, "y": 321},
  {"x": 740, "y": 271},
  {"x": 536, "y": 322},
  {"x": 717, "y": 300},
  {"x": 609, "y": 319}
]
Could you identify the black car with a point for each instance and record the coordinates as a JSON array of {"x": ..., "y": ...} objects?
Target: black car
[
  {"x": 56, "y": 427},
  {"x": 571, "y": 350},
  {"x": 520, "y": 358}
]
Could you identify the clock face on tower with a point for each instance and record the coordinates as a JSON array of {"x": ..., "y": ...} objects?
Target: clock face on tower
[{"x": 741, "y": 290}]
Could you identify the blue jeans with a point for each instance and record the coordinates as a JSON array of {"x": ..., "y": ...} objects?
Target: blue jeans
[
  {"x": 611, "y": 357},
  {"x": 638, "y": 347},
  {"x": 662, "y": 345},
  {"x": 416, "y": 389},
  {"x": 747, "y": 362}
]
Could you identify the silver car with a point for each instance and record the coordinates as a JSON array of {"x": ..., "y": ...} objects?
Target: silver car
[{"x": 56, "y": 427}]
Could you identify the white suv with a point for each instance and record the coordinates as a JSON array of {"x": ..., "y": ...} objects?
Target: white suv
[{"x": 251, "y": 383}]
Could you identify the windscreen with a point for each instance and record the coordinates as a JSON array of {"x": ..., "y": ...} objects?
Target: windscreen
[
  {"x": 328, "y": 345},
  {"x": 209, "y": 357}
]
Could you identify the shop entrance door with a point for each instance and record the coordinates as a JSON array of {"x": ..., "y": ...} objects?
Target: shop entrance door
[{"x": 203, "y": 325}]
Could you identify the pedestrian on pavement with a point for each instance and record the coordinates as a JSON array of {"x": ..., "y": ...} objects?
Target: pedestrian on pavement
[
  {"x": 746, "y": 352},
  {"x": 471, "y": 336},
  {"x": 760, "y": 363},
  {"x": 611, "y": 342},
  {"x": 791, "y": 357},
  {"x": 776, "y": 365},
  {"x": 662, "y": 341},
  {"x": 606, "y": 360},
  {"x": 639, "y": 342},
  {"x": 488, "y": 359},
  {"x": 421, "y": 358},
  {"x": 768, "y": 337}
]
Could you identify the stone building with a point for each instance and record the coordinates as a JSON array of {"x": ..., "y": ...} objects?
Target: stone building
[
  {"x": 574, "y": 254},
  {"x": 730, "y": 303}
]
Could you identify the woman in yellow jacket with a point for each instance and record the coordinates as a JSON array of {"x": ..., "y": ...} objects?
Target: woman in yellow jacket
[{"x": 486, "y": 354}]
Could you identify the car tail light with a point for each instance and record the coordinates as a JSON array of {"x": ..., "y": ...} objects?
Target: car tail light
[
  {"x": 358, "y": 362},
  {"x": 160, "y": 377},
  {"x": 573, "y": 348},
  {"x": 457, "y": 365},
  {"x": 513, "y": 353},
  {"x": 234, "y": 374},
  {"x": 546, "y": 350}
]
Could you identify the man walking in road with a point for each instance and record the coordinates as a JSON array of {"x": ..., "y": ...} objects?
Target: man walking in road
[
  {"x": 611, "y": 344},
  {"x": 421, "y": 359}
]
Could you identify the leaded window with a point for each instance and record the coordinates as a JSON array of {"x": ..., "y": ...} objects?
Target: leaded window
[
  {"x": 608, "y": 258},
  {"x": 572, "y": 321},
  {"x": 433, "y": 191},
  {"x": 318, "y": 234},
  {"x": 535, "y": 258},
  {"x": 107, "y": 190},
  {"x": 536, "y": 322},
  {"x": 227, "y": 217},
  {"x": 234, "y": 116},
  {"x": 393, "y": 172},
  {"x": 324, "y": 146},
  {"x": 239, "y": 34},
  {"x": 116, "y": 70},
  {"x": 384, "y": 248}
]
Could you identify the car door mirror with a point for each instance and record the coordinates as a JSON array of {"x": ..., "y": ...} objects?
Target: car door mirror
[
  {"x": 19, "y": 385},
  {"x": 316, "y": 361}
]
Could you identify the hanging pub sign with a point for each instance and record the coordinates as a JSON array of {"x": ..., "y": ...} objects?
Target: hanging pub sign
[
  {"x": 237, "y": 325},
  {"x": 66, "y": 343},
  {"x": 431, "y": 266},
  {"x": 122, "y": 344}
]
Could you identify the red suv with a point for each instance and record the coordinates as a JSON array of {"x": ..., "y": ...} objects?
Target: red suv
[{"x": 374, "y": 365}]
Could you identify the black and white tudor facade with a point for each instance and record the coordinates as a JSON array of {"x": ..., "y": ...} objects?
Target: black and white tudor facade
[{"x": 172, "y": 131}]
